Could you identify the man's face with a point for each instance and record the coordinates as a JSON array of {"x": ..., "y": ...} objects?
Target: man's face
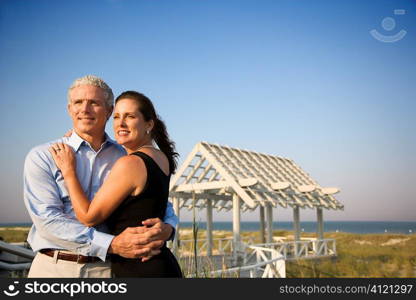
[{"x": 88, "y": 109}]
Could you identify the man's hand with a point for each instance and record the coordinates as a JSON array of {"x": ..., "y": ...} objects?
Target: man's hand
[
  {"x": 142, "y": 242},
  {"x": 165, "y": 231},
  {"x": 135, "y": 242}
]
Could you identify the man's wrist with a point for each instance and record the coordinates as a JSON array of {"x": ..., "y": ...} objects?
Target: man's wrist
[{"x": 112, "y": 249}]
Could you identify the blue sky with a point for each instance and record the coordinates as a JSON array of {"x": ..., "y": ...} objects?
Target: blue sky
[{"x": 301, "y": 79}]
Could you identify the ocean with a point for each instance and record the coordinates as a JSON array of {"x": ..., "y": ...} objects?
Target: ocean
[{"x": 329, "y": 226}]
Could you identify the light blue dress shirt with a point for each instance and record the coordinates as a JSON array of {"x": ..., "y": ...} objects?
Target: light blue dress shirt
[{"x": 47, "y": 201}]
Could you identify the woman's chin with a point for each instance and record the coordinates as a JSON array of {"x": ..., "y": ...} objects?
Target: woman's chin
[
  {"x": 126, "y": 145},
  {"x": 122, "y": 142}
]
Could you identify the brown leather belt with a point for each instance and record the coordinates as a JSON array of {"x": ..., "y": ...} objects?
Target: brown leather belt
[{"x": 81, "y": 259}]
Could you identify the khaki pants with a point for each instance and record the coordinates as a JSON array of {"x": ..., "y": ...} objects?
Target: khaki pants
[{"x": 44, "y": 266}]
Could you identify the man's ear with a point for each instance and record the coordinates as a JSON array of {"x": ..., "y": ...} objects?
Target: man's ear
[{"x": 110, "y": 112}]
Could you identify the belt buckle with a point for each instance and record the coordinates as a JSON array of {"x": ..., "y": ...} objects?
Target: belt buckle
[{"x": 78, "y": 258}]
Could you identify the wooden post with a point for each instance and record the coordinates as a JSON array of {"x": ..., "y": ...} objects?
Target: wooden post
[
  {"x": 296, "y": 228},
  {"x": 209, "y": 227},
  {"x": 269, "y": 216},
  {"x": 262, "y": 225},
  {"x": 176, "y": 239},
  {"x": 320, "y": 229},
  {"x": 236, "y": 227}
]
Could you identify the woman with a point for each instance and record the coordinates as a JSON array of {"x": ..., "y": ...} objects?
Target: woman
[{"x": 137, "y": 187}]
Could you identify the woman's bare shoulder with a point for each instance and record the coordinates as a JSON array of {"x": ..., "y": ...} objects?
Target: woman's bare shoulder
[{"x": 129, "y": 163}]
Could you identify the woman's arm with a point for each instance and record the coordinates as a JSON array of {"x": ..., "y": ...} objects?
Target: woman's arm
[{"x": 119, "y": 184}]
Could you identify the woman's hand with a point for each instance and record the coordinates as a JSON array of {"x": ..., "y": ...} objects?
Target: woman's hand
[{"x": 64, "y": 158}]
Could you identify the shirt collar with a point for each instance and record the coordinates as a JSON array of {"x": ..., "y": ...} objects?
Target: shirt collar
[{"x": 76, "y": 141}]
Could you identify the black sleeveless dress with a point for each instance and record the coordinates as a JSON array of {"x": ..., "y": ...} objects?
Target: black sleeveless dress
[{"x": 150, "y": 203}]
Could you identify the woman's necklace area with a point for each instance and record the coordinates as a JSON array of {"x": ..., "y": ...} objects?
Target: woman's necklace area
[{"x": 145, "y": 146}]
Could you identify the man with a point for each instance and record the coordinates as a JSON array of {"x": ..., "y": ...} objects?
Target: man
[{"x": 65, "y": 247}]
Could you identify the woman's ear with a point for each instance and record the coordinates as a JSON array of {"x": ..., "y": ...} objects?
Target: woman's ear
[{"x": 151, "y": 125}]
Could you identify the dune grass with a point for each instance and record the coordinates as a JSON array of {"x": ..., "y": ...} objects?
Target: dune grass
[
  {"x": 14, "y": 234},
  {"x": 363, "y": 255}
]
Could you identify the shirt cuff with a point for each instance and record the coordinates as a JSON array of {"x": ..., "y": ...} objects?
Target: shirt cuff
[
  {"x": 100, "y": 244},
  {"x": 172, "y": 222},
  {"x": 172, "y": 235}
]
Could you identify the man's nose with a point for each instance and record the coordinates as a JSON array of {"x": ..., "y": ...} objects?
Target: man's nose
[{"x": 86, "y": 106}]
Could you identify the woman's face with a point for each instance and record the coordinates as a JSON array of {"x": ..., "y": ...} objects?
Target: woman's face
[{"x": 129, "y": 124}]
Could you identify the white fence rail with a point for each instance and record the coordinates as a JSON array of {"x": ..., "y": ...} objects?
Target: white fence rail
[
  {"x": 265, "y": 260},
  {"x": 269, "y": 263},
  {"x": 311, "y": 248},
  {"x": 15, "y": 257},
  {"x": 221, "y": 246},
  {"x": 268, "y": 269}
]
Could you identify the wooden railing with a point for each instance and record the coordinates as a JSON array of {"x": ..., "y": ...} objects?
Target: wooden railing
[
  {"x": 221, "y": 246},
  {"x": 310, "y": 248},
  {"x": 15, "y": 257},
  {"x": 264, "y": 260}
]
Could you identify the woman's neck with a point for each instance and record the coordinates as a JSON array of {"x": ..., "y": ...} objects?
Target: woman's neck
[{"x": 146, "y": 144}]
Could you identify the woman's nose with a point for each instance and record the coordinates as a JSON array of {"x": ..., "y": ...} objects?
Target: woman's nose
[{"x": 122, "y": 121}]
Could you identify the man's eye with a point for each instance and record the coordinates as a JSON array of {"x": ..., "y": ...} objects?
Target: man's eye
[{"x": 115, "y": 117}]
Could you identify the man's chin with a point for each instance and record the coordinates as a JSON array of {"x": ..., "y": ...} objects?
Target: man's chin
[{"x": 90, "y": 130}]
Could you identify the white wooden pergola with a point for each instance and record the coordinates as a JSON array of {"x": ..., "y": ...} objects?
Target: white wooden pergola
[{"x": 224, "y": 178}]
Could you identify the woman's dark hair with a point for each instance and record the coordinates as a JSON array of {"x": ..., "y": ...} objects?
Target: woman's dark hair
[{"x": 159, "y": 132}]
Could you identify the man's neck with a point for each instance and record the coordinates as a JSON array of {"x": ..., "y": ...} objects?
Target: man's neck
[{"x": 95, "y": 140}]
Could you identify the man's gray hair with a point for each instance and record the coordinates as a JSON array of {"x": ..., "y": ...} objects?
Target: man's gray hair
[{"x": 94, "y": 81}]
